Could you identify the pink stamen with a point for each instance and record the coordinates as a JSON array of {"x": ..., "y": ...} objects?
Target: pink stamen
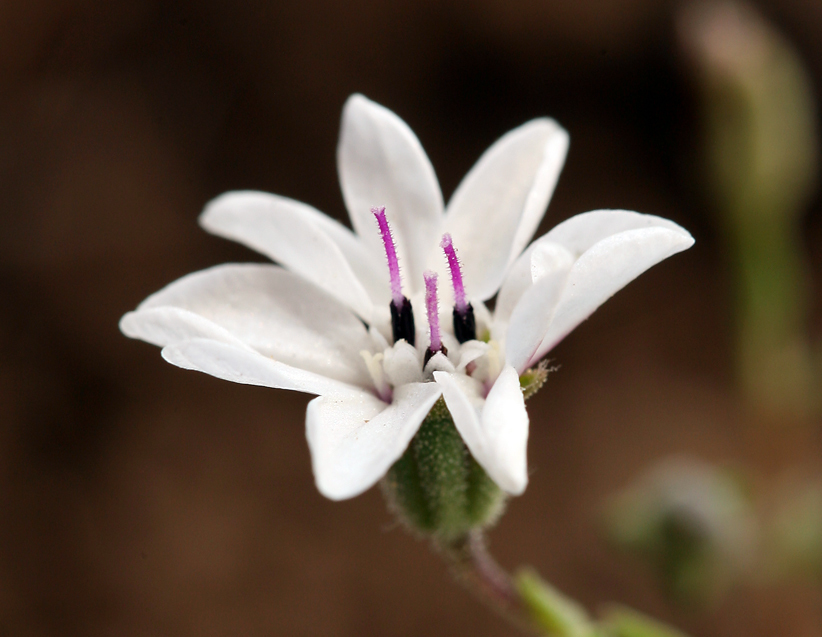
[
  {"x": 391, "y": 254},
  {"x": 432, "y": 308},
  {"x": 460, "y": 301}
]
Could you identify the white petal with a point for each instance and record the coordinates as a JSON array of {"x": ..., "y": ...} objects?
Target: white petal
[
  {"x": 449, "y": 341},
  {"x": 381, "y": 163},
  {"x": 505, "y": 422},
  {"x": 381, "y": 320},
  {"x": 269, "y": 309},
  {"x": 494, "y": 430},
  {"x": 575, "y": 235},
  {"x": 604, "y": 269},
  {"x": 542, "y": 258},
  {"x": 582, "y": 231},
  {"x": 532, "y": 316},
  {"x": 378, "y": 340},
  {"x": 463, "y": 397},
  {"x": 354, "y": 438},
  {"x": 245, "y": 366},
  {"x": 498, "y": 206},
  {"x": 303, "y": 240},
  {"x": 164, "y": 325}
]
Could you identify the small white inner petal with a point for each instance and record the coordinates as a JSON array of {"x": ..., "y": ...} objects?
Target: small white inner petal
[
  {"x": 469, "y": 352},
  {"x": 489, "y": 364},
  {"x": 377, "y": 339},
  {"x": 439, "y": 363},
  {"x": 373, "y": 363},
  {"x": 402, "y": 364}
]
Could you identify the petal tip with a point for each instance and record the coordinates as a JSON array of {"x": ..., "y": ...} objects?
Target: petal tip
[
  {"x": 554, "y": 131},
  {"x": 513, "y": 483},
  {"x": 516, "y": 487},
  {"x": 357, "y": 102},
  {"x": 217, "y": 209},
  {"x": 331, "y": 490},
  {"x": 173, "y": 354},
  {"x": 680, "y": 239},
  {"x": 127, "y": 325}
]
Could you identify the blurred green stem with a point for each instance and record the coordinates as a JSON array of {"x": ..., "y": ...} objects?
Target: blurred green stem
[
  {"x": 761, "y": 161},
  {"x": 774, "y": 361},
  {"x": 532, "y": 605},
  {"x": 474, "y": 567}
]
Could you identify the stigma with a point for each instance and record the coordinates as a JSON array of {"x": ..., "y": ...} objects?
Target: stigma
[
  {"x": 465, "y": 327},
  {"x": 432, "y": 309},
  {"x": 402, "y": 316}
]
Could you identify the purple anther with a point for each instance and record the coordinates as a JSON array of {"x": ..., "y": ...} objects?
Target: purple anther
[
  {"x": 432, "y": 308},
  {"x": 391, "y": 253},
  {"x": 460, "y": 303},
  {"x": 465, "y": 328}
]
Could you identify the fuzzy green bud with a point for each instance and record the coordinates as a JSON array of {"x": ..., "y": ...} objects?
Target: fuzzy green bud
[
  {"x": 437, "y": 488},
  {"x": 692, "y": 522}
]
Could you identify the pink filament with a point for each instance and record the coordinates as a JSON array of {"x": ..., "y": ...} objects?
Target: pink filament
[
  {"x": 432, "y": 308},
  {"x": 456, "y": 274},
  {"x": 391, "y": 254}
]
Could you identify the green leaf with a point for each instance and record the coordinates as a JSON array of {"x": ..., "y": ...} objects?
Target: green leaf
[
  {"x": 550, "y": 610},
  {"x": 621, "y": 621}
]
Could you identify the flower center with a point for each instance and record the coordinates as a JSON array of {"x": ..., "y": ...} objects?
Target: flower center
[
  {"x": 399, "y": 364},
  {"x": 465, "y": 327},
  {"x": 402, "y": 316}
]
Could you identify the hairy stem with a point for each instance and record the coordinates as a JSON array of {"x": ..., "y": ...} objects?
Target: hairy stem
[
  {"x": 534, "y": 606},
  {"x": 476, "y": 569}
]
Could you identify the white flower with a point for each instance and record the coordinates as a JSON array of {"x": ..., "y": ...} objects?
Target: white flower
[{"x": 302, "y": 326}]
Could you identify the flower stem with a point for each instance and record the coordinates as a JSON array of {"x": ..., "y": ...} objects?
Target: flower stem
[
  {"x": 476, "y": 569},
  {"x": 533, "y": 606}
]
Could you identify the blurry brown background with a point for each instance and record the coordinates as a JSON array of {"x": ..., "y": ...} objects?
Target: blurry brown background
[{"x": 139, "y": 499}]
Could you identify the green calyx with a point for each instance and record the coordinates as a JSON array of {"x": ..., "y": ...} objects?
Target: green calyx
[
  {"x": 533, "y": 379},
  {"x": 437, "y": 488}
]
